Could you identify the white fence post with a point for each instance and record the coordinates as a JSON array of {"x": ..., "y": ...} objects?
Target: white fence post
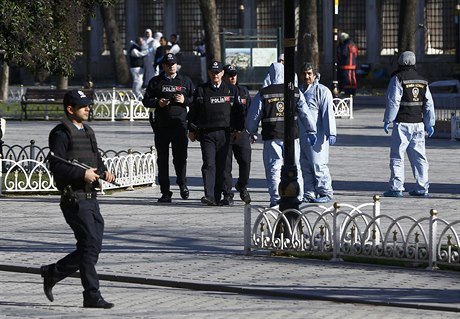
[
  {"x": 130, "y": 170},
  {"x": 454, "y": 127},
  {"x": 376, "y": 213},
  {"x": 113, "y": 105},
  {"x": 131, "y": 110},
  {"x": 432, "y": 251},
  {"x": 351, "y": 107},
  {"x": 336, "y": 234}
]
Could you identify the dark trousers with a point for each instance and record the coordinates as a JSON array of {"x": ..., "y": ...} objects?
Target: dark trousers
[
  {"x": 87, "y": 223},
  {"x": 214, "y": 151},
  {"x": 177, "y": 137},
  {"x": 240, "y": 148},
  {"x": 347, "y": 81}
]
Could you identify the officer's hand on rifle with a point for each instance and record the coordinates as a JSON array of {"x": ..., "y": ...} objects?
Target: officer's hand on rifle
[
  {"x": 108, "y": 177},
  {"x": 91, "y": 175}
]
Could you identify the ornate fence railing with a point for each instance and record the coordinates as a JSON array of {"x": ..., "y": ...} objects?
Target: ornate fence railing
[
  {"x": 109, "y": 104},
  {"x": 118, "y": 104},
  {"x": 344, "y": 230},
  {"x": 343, "y": 107},
  {"x": 25, "y": 170},
  {"x": 115, "y": 104}
]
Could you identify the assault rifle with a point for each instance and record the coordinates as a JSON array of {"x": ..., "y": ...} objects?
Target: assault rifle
[{"x": 76, "y": 163}]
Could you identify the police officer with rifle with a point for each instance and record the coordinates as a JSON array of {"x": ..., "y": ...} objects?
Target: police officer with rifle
[{"x": 73, "y": 139}]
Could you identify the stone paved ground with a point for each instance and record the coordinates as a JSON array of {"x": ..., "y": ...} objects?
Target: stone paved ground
[{"x": 188, "y": 245}]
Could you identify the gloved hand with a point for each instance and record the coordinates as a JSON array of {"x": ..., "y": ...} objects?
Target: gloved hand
[
  {"x": 430, "y": 131},
  {"x": 312, "y": 138},
  {"x": 385, "y": 127},
  {"x": 253, "y": 138},
  {"x": 332, "y": 139}
]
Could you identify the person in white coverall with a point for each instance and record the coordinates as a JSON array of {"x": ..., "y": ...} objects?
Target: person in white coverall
[
  {"x": 410, "y": 108},
  {"x": 314, "y": 159}
]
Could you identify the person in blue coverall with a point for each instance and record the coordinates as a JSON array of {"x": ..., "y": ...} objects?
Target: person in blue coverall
[
  {"x": 268, "y": 107},
  {"x": 314, "y": 159},
  {"x": 410, "y": 108}
]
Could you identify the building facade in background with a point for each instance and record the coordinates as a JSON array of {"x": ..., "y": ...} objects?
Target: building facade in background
[{"x": 372, "y": 24}]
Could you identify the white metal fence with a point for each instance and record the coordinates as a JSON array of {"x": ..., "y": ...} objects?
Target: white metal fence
[
  {"x": 109, "y": 104},
  {"x": 344, "y": 230},
  {"x": 343, "y": 107},
  {"x": 115, "y": 104},
  {"x": 24, "y": 169}
]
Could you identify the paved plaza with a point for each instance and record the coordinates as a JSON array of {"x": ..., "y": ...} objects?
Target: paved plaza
[{"x": 185, "y": 260}]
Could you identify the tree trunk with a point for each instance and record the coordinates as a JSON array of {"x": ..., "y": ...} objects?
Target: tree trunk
[
  {"x": 115, "y": 45},
  {"x": 211, "y": 30},
  {"x": 62, "y": 82},
  {"x": 307, "y": 46},
  {"x": 5, "y": 81},
  {"x": 407, "y": 25}
]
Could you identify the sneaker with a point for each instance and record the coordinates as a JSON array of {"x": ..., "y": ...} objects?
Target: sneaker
[
  {"x": 208, "y": 201},
  {"x": 165, "y": 198},
  {"x": 227, "y": 201},
  {"x": 322, "y": 199},
  {"x": 393, "y": 194},
  {"x": 244, "y": 194},
  {"x": 184, "y": 193},
  {"x": 419, "y": 193}
]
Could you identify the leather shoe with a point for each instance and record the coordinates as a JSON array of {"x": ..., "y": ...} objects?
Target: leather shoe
[
  {"x": 184, "y": 193},
  {"x": 48, "y": 282},
  {"x": 227, "y": 201},
  {"x": 165, "y": 198},
  {"x": 244, "y": 194},
  {"x": 100, "y": 303},
  {"x": 208, "y": 201}
]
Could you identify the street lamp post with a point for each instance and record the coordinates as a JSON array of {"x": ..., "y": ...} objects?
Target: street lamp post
[
  {"x": 289, "y": 187},
  {"x": 335, "y": 16},
  {"x": 89, "y": 80}
]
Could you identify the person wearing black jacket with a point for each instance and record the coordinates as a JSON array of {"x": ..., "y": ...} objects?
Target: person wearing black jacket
[
  {"x": 169, "y": 94},
  {"x": 74, "y": 140},
  {"x": 240, "y": 145},
  {"x": 209, "y": 122}
]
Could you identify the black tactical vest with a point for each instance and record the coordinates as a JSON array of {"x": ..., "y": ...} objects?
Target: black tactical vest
[
  {"x": 216, "y": 107},
  {"x": 83, "y": 145},
  {"x": 135, "y": 61},
  {"x": 174, "y": 114},
  {"x": 272, "y": 98},
  {"x": 83, "y": 148},
  {"x": 413, "y": 98}
]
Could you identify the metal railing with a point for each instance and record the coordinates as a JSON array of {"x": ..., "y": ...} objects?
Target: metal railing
[
  {"x": 343, "y": 107},
  {"x": 123, "y": 105},
  {"x": 109, "y": 104},
  {"x": 344, "y": 230},
  {"x": 24, "y": 169}
]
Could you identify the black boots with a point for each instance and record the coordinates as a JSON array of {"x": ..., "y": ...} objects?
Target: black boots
[
  {"x": 48, "y": 281},
  {"x": 99, "y": 303}
]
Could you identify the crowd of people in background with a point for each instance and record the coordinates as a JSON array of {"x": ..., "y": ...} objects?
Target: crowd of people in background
[{"x": 145, "y": 55}]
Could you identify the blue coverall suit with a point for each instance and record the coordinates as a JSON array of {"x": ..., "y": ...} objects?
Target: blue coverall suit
[
  {"x": 409, "y": 136},
  {"x": 314, "y": 159}
]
